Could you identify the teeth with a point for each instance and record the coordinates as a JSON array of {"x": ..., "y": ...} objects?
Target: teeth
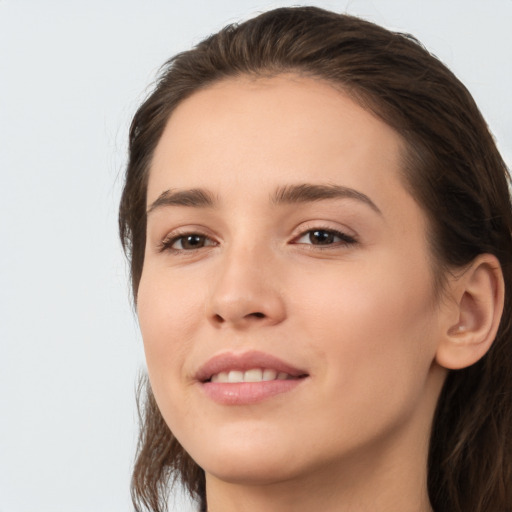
[
  {"x": 220, "y": 377},
  {"x": 269, "y": 374},
  {"x": 235, "y": 376},
  {"x": 255, "y": 375},
  {"x": 252, "y": 375}
]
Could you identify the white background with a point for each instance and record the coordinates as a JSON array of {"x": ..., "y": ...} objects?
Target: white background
[{"x": 71, "y": 75}]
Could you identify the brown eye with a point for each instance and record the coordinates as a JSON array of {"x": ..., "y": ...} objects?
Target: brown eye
[
  {"x": 321, "y": 237},
  {"x": 186, "y": 242},
  {"x": 325, "y": 237},
  {"x": 189, "y": 242}
]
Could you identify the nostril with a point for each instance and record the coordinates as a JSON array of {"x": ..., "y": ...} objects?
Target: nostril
[{"x": 237, "y": 319}]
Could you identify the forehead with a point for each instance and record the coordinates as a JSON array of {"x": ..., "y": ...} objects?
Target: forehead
[{"x": 280, "y": 130}]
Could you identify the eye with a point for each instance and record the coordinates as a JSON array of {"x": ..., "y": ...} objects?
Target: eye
[
  {"x": 186, "y": 242},
  {"x": 325, "y": 237}
]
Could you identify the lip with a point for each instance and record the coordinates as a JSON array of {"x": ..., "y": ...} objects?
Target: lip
[
  {"x": 243, "y": 362},
  {"x": 245, "y": 393}
]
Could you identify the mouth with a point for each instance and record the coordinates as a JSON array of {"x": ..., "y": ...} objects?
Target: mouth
[
  {"x": 250, "y": 366},
  {"x": 247, "y": 378},
  {"x": 252, "y": 375}
]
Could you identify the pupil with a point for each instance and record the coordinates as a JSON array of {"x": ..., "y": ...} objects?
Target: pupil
[
  {"x": 193, "y": 241},
  {"x": 321, "y": 237}
]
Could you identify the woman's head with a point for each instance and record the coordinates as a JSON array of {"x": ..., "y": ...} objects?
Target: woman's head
[{"x": 426, "y": 130}]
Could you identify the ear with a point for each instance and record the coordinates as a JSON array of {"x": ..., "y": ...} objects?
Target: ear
[{"x": 472, "y": 323}]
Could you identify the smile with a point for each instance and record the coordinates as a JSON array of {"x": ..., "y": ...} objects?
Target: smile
[
  {"x": 247, "y": 378},
  {"x": 253, "y": 375}
]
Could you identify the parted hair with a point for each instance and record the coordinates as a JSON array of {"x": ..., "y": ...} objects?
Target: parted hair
[{"x": 452, "y": 168}]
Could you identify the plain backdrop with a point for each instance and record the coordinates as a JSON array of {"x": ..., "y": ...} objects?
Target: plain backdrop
[{"x": 71, "y": 76}]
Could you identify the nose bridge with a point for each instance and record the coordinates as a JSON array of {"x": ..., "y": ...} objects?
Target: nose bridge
[{"x": 245, "y": 290}]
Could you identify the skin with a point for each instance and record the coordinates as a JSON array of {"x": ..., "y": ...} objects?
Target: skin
[{"x": 361, "y": 317}]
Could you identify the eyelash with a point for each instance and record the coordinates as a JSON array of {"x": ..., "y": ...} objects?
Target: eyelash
[
  {"x": 344, "y": 240},
  {"x": 167, "y": 243}
]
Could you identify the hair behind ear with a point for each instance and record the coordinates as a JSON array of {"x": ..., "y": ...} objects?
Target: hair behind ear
[{"x": 470, "y": 458}]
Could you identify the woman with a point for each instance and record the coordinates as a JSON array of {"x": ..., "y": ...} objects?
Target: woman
[{"x": 319, "y": 229}]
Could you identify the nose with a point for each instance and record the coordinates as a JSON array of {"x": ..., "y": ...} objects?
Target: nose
[{"x": 246, "y": 292}]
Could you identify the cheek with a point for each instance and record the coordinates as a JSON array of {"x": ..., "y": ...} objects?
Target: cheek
[
  {"x": 168, "y": 316},
  {"x": 373, "y": 328}
]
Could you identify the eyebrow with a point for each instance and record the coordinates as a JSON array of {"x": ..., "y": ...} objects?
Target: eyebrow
[
  {"x": 307, "y": 193},
  {"x": 196, "y": 197},
  {"x": 288, "y": 194}
]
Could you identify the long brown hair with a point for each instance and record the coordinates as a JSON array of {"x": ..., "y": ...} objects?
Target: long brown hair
[{"x": 452, "y": 168}]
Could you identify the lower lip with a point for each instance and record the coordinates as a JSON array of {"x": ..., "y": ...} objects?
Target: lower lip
[{"x": 245, "y": 393}]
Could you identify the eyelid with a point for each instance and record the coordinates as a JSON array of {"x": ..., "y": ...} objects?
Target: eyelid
[
  {"x": 343, "y": 238},
  {"x": 166, "y": 243},
  {"x": 340, "y": 230},
  {"x": 347, "y": 237},
  {"x": 343, "y": 241}
]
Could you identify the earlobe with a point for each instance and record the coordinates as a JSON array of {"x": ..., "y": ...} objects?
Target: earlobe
[{"x": 469, "y": 333}]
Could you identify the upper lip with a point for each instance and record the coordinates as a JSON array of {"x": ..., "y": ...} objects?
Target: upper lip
[{"x": 245, "y": 361}]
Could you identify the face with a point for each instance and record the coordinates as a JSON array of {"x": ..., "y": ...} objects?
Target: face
[{"x": 286, "y": 301}]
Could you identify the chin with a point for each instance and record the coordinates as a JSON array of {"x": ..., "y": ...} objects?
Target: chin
[
  {"x": 263, "y": 471},
  {"x": 248, "y": 460}
]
